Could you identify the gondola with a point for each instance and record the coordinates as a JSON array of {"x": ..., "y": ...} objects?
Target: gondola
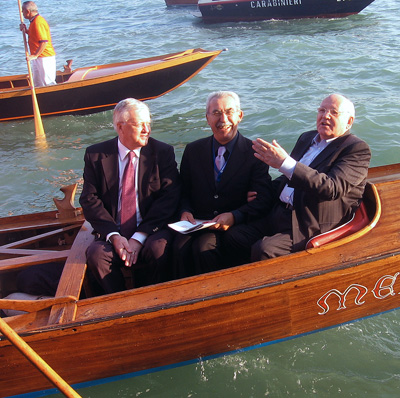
[
  {"x": 345, "y": 275},
  {"x": 257, "y": 10},
  {"x": 98, "y": 88}
]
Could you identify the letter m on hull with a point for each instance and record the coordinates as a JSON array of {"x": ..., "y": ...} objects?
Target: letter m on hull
[{"x": 361, "y": 292}]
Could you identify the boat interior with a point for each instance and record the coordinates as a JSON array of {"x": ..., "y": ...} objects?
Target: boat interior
[
  {"x": 62, "y": 236},
  {"x": 22, "y": 81}
]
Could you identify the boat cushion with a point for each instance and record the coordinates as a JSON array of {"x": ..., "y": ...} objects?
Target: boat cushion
[{"x": 360, "y": 220}]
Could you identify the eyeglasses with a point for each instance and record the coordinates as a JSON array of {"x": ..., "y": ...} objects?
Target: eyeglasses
[
  {"x": 139, "y": 125},
  {"x": 333, "y": 112},
  {"x": 228, "y": 112}
]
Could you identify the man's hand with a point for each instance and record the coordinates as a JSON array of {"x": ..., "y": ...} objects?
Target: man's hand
[
  {"x": 128, "y": 251},
  {"x": 223, "y": 221},
  {"x": 270, "y": 153},
  {"x": 31, "y": 57},
  {"x": 251, "y": 195},
  {"x": 187, "y": 216}
]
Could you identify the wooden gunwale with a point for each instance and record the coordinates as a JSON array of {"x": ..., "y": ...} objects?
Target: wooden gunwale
[{"x": 190, "y": 302}]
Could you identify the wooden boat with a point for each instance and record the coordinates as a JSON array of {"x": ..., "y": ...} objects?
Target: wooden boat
[
  {"x": 99, "y": 88},
  {"x": 181, "y": 2},
  {"x": 257, "y": 10},
  {"x": 329, "y": 283}
]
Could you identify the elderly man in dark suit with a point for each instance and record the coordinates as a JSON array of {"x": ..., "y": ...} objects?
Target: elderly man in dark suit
[
  {"x": 218, "y": 192},
  {"x": 131, "y": 190},
  {"x": 321, "y": 185}
]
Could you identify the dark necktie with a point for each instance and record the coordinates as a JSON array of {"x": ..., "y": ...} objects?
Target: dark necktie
[{"x": 128, "y": 199}]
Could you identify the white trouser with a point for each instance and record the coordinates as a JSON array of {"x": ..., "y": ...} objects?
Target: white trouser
[{"x": 44, "y": 71}]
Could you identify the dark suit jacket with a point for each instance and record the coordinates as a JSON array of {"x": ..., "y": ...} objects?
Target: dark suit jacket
[
  {"x": 205, "y": 199},
  {"x": 159, "y": 187},
  {"x": 329, "y": 190}
]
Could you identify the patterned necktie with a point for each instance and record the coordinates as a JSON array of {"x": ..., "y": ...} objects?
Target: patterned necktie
[
  {"x": 128, "y": 199},
  {"x": 220, "y": 160}
]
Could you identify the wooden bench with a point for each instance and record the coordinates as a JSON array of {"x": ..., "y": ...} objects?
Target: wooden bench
[{"x": 72, "y": 277}]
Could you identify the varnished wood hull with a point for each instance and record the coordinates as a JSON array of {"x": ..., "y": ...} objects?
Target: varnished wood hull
[
  {"x": 221, "y": 311},
  {"x": 100, "y": 88}
]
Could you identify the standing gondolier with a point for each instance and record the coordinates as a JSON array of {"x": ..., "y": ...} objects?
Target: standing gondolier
[{"x": 42, "y": 56}]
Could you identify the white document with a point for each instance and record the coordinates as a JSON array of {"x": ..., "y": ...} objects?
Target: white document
[{"x": 186, "y": 227}]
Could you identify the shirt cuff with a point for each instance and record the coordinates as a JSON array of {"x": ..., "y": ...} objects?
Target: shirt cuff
[
  {"x": 288, "y": 167},
  {"x": 140, "y": 237},
  {"x": 110, "y": 235}
]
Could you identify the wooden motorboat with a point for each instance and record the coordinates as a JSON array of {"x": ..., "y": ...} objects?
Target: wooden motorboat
[
  {"x": 355, "y": 275},
  {"x": 181, "y": 2},
  {"x": 98, "y": 88},
  {"x": 257, "y": 10}
]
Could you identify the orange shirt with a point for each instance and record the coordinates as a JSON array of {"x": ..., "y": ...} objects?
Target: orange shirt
[{"x": 38, "y": 32}]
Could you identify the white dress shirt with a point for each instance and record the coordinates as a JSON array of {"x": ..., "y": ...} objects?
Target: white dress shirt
[
  {"x": 123, "y": 159},
  {"x": 289, "y": 164}
]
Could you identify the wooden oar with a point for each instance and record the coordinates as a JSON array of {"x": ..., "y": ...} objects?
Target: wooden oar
[
  {"x": 29, "y": 353},
  {"x": 39, "y": 130}
]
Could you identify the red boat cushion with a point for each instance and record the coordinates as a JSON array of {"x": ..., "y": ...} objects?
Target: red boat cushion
[{"x": 359, "y": 221}]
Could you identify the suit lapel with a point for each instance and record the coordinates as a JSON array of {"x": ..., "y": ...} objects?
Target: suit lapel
[
  {"x": 205, "y": 160},
  {"x": 111, "y": 174},
  {"x": 146, "y": 166},
  {"x": 303, "y": 144},
  {"x": 331, "y": 148}
]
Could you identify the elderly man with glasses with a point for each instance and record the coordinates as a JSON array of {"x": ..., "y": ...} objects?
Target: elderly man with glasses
[
  {"x": 218, "y": 173},
  {"x": 130, "y": 192},
  {"x": 321, "y": 185}
]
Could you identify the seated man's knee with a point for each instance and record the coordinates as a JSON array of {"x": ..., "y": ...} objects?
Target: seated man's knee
[
  {"x": 204, "y": 243},
  {"x": 98, "y": 250},
  {"x": 271, "y": 246},
  {"x": 156, "y": 246}
]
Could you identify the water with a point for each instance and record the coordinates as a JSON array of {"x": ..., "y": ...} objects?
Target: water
[{"x": 281, "y": 70}]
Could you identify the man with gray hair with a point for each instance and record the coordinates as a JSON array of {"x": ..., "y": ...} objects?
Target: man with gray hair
[
  {"x": 218, "y": 172},
  {"x": 130, "y": 193},
  {"x": 321, "y": 185},
  {"x": 42, "y": 56}
]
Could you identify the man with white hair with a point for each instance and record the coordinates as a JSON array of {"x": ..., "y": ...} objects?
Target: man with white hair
[
  {"x": 321, "y": 185},
  {"x": 130, "y": 192}
]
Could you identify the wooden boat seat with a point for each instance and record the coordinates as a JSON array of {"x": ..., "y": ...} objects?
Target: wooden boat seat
[
  {"x": 72, "y": 277},
  {"x": 359, "y": 220},
  {"x": 6, "y": 84}
]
